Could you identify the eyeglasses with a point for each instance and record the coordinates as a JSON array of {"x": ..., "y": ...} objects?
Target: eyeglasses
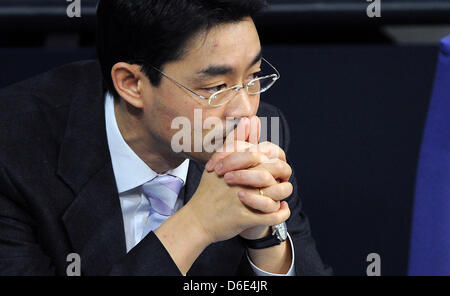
[{"x": 255, "y": 86}]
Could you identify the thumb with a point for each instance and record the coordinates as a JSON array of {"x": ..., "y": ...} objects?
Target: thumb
[{"x": 235, "y": 141}]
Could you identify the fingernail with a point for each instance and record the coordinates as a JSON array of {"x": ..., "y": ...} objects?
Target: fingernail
[
  {"x": 209, "y": 165},
  {"x": 219, "y": 167},
  {"x": 228, "y": 176}
]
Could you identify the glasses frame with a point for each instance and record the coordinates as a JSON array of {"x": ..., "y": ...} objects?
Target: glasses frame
[{"x": 236, "y": 88}]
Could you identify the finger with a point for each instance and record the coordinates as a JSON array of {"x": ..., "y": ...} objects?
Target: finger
[
  {"x": 272, "y": 150},
  {"x": 251, "y": 178},
  {"x": 275, "y": 218},
  {"x": 219, "y": 156},
  {"x": 269, "y": 150},
  {"x": 278, "y": 168},
  {"x": 244, "y": 160},
  {"x": 242, "y": 130},
  {"x": 258, "y": 202},
  {"x": 279, "y": 191},
  {"x": 238, "y": 161},
  {"x": 254, "y": 132},
  {"x": 240, "y": 133},
  {"x": 233, "y": 142},
  {"x": 248, "y": 131}
]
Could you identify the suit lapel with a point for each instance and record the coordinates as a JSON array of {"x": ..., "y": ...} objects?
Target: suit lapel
[
  {"x": 94, "y": 220},
  {"x": 95, "y": 225},
  {"x": 194, "y": 176}
]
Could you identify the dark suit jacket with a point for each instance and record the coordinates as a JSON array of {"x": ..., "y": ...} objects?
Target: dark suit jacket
[{"x": 58, "y": 193}]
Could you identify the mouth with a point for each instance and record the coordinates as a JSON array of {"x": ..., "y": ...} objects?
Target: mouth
[
  {"x": 213, "y": 136},
  {"x": 231, "y": 127}
]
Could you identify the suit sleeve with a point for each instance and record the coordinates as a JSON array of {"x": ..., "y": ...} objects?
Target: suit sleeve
[
  {"x": 20, "y": 252},
  {"x": 307, "y": 259},
  {"x": 148, "y": 258}
]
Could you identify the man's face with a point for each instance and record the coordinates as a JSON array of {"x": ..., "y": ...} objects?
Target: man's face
[{"x": 223, "y": 57}]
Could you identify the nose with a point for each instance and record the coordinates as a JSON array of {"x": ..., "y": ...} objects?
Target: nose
[{"x": 242, "y": 105}]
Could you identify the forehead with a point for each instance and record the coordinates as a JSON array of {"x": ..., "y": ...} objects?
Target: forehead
[{"x": 234, "y": 45}]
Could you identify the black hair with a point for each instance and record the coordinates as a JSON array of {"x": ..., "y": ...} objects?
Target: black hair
[{"x": 155, "y": 32}]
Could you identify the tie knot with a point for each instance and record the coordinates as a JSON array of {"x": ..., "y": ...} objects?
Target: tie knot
[{"x": 162, "y": 193}]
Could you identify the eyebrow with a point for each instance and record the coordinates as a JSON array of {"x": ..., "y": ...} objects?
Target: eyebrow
[{"x": 218, "y": 70}]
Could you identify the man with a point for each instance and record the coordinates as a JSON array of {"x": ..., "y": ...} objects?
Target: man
[{"x": 91, "y": 169}]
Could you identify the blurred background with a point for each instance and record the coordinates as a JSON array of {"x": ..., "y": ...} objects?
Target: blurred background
[{"x": 355, "y": 90}]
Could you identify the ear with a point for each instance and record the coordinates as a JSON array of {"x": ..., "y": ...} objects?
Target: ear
[{"x": 128, "y": 81}]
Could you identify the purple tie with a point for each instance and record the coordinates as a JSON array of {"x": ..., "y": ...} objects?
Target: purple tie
[{"x": 162, "y": 193}]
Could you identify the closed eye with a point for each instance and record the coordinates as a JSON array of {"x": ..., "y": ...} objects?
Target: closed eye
[
  {"x": 212, "y": 90},
  {"x": 255, "y": 75}
]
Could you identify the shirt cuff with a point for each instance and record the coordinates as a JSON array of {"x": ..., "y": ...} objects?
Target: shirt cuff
[{"x": 260, "y": 272}]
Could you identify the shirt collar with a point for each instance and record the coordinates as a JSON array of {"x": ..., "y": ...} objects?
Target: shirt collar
[{"x": 129, "y": 170}]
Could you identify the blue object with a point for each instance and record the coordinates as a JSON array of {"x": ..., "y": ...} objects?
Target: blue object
[{"x": 430, "y": 238}]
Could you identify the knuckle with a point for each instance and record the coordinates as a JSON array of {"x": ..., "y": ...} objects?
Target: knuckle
[
  {"x": 288, "y": 214},
  {"x": 283, "y": 191},
  {"x": 278, "y": 166},
  {"x": 289, "y": 188},
  {"x": 283, "y": 188},
  {"x": 273, "y": 145},
  {"x": 277, "y": 192},
  {"x": 288, "y": 168},
  {"x": 254, "y": 156},
  {"x": 279, "y": 218},
  {"x": 289, "y": 173},
  {"x": 277, "y": 152}
]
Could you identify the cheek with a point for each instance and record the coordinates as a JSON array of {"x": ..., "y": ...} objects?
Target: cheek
[
  {"x": 256, "y": 103},
  {"x": 166, "y": 104},
  {"x": 159, "y": 117},
  {"x": 165, "y": 108}
]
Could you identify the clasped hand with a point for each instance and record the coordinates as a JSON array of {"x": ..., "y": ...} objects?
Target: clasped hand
[{"x": 255, "y": 168}]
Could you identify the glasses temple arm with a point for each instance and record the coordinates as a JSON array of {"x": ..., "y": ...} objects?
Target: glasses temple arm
[
  {"x": 185, "y": 87},
  {"x": 278, "y": 73}
]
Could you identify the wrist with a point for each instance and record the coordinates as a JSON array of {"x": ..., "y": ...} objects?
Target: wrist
[
  {"x": 197, "y": 228},
  {"x": 276, "y": 235},
  {"x": 183, "y": 241},
  {"x": 276, "y": 259},
  {"x": 256, "y": 232}
]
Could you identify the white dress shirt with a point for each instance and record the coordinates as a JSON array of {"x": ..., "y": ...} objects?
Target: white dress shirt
[{"x": 131, "y": 173}]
